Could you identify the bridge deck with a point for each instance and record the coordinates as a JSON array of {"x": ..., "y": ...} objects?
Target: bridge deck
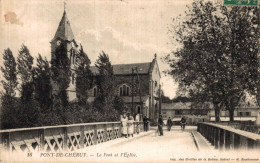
[
  {"x": 174, "y": 146},
  {"x": 147, "y": 146}
]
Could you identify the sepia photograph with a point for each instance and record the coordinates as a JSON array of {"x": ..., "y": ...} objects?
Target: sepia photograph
[{"x": 130, "y": 81}]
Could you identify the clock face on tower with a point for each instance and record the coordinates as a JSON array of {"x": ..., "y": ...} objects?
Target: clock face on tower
[{"x": 58, "y": 42}]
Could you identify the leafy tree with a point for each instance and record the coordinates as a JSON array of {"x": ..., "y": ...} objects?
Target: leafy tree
[
  {"x": 181, "y": 99},
  {"x": 9, "y": 111},
  {"x": 254, "y": 84},
  {"x": 119, "y": 104},
  {"x": 29, "y": 109},
  {"x": 84, "y": 77},
  {"x": 9, "y": 73},
  {"x": 242, "y": 53},
  {"x": 216, "y": 58},
  {"x": 25, "y": 70},
  {"x": 105, "y": 81},
  {"x": 42, "y": 82},
  {"x": 60, "y": 68}
]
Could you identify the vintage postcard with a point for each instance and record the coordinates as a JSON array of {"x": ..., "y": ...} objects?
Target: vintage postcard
[{"x": 130, "y": 81}]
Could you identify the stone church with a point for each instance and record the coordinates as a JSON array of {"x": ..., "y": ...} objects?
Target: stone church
[{"x": 128, "y": 77}]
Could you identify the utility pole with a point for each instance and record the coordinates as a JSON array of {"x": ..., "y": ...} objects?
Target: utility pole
[{"x": 139, "y": 87}]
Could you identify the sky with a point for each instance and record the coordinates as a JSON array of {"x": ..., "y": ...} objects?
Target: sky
[{"x": 129, "y": 31}]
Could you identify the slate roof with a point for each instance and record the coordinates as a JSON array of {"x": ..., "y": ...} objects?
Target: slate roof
[
  {"x": 64, "y": 31},
  {"x": 123, "y": 69}
]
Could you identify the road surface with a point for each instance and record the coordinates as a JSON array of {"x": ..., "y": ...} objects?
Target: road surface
[{"x": 174, "y": 144}]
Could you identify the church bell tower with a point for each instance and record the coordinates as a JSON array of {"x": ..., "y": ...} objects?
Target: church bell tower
[{"x": 64, "y": 35}]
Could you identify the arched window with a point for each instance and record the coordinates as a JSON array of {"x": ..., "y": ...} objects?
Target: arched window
[{"x": 124, "y": 90}]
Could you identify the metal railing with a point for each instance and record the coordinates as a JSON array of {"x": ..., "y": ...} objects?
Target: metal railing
[
  {"x": 61, "y": 138},
  {"x": 225, "y": 137}
]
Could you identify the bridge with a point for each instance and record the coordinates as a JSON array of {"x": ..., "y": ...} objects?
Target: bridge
[{"x": 102, "y": 142}]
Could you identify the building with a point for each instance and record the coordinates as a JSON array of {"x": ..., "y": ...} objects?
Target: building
[
  {"x": 194, "y": 114},
  {"x": 176, "y": 110},
  {"x": 65, "y": 35},
  {"x": 247, "y": 110},
  {"x": 147, "y": 75},
  {"x": 242, "y": 113},
  {"x": 127, "y": 81}
]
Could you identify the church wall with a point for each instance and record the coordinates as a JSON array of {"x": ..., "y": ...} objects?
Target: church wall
[{"x": 127, "y": 79}]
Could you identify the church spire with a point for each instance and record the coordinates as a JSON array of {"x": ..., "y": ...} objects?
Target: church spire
[
  {"x": 64, "y": 30},
  {"x": 64, "y": 6}
]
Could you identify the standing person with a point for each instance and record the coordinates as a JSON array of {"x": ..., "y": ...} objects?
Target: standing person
[
  {"x": 183, "y": 122},
  {"x": 124, "y": 125},
  {"x": 160, "y": 125},
  {"x": 169, "y": 124},
  {"x": 130, "y": 124},
  {"x": 145, "y": 120},
  {"x": 137, "y": 128}
]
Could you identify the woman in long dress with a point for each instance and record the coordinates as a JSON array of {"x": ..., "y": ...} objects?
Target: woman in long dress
[
  {"x": 124, "y": 125},
  {"x": 130, "y": 123}
]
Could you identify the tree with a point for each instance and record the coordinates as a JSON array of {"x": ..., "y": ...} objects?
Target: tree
[
  {"x": 181, "y": 99},
  {"x": 25, "y": 70},
  {"x": 9, "y": 73},
  {"x": 42, "y": 82},
  {"x": 216, "y": 58},
  {"x": 29, "y": 109},
  {"x": 254, "y": 84},
  {"x": 9, "y": 112},
  {"x": 8, "y": 101},
  {"x": 84, "y": 77},
  {"x": 60, "y": 68},
  {"x": 105, "y": 81},
  {"x": 119, "y": 104},
  {"x": 243, "y": 53}
]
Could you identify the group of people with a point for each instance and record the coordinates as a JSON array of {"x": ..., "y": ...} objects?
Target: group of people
[
  {"x": 169, "y": 124},
  {"x": 127, "y": 123}
]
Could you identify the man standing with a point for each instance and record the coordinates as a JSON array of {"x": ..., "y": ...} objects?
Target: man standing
[
  {"x": 145, "y": 120},
  {"x": 183, "y": 122},
  {"x": 160, "y": 125},
  {"x": 169, "y": 124}
]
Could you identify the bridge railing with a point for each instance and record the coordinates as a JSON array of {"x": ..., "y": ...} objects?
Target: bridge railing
[
  {"x": 228, "y": 138},
  {"x": 61, "y": 138}
]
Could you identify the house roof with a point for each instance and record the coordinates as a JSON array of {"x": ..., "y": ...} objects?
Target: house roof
[
  {"x": 123, "y": 69},
  {"x": 64, "y": 30},
  {"x": 177, "y": 106}
]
